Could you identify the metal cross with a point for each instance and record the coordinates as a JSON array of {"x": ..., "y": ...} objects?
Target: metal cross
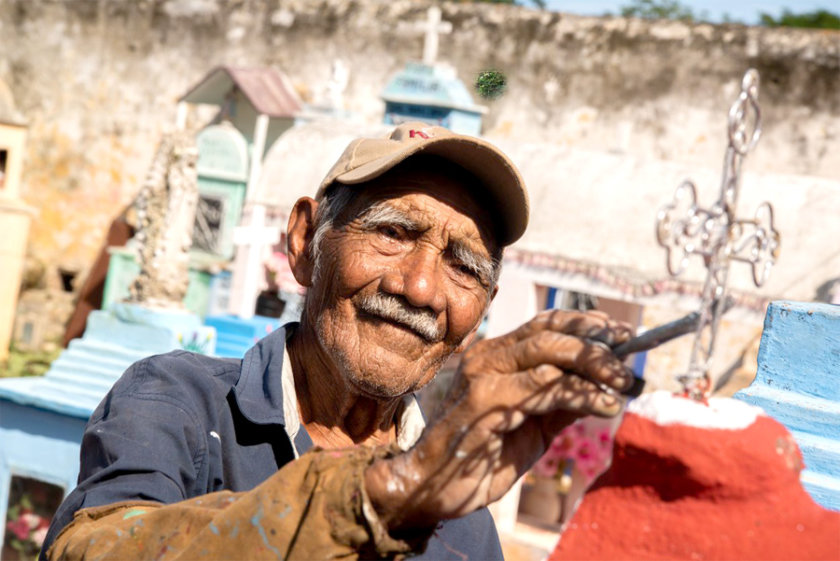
[{"x": 684, "y": 229}]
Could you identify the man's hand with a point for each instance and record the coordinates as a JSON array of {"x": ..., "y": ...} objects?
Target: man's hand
[{"x": 510, "y": 397}]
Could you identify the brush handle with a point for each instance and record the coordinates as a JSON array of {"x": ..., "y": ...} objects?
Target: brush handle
[{"x": 658, "y": 335}]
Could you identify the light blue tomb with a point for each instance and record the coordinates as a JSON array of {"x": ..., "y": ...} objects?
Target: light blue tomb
[
  {"x": 798, "y": 384},
  {"x": 432, "y": 94},
  {"x": 42, "y": 418}
]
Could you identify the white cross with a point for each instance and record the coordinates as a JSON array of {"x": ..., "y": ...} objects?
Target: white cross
[
  {"x": 432, "y": 27},
  {"x": 251, "y": 241}
]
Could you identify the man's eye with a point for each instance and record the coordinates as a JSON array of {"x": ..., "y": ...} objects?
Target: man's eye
[
  {"x": 469, "y": 271},
  {"x": 390, "y": 232}
]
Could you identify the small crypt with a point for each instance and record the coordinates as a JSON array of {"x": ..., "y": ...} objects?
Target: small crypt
[
  {"x": 15, "y": 216},
  {"x": 42, "y": 418},
  {"x": 233, "y": 234},
  {"x": 430, "y": 91}
]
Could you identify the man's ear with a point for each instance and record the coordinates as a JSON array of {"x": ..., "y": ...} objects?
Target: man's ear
[
  {"x": 471, "y": 335},
  {"x": 299, "y": 234}
]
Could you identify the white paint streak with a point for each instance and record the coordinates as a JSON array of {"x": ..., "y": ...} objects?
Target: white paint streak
[{"x": 664, "y": 408}]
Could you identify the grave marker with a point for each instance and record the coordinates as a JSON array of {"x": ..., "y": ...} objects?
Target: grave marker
[
  {"x": 683, "y": 228},
  {"x": 431, "y": 91}
]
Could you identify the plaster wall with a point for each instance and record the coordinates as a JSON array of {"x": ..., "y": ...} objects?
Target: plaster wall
[{"x": 98, "y": 81}]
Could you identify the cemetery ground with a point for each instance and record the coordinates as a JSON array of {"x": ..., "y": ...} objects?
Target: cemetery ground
[{"x": 28, "y": 362}]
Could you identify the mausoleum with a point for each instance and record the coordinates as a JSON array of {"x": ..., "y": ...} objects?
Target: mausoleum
[
  {"x": 15, "y": 215},
  {"x": 430, "y": 91}
]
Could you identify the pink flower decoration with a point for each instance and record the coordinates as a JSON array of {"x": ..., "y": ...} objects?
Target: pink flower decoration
[
  {"x": 32, "y": 520},
  {"x": 587, "y": 445},
  {"x": 19, "y": 528},
  {"x": 39, "y": 535}
]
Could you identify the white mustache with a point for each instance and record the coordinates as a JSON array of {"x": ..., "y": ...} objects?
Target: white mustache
[{"x": 388, "y": 306}]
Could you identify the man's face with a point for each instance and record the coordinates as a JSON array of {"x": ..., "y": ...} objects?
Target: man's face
[{"x": 400, "y": 285}]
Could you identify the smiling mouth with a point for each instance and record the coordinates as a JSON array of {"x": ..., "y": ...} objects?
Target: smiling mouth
[
  {"x": 371, "y": 317},
  {"x": 394, "y": 311}
]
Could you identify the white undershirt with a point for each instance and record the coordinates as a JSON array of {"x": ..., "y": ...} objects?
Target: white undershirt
[{"x": 410, "y": 423}]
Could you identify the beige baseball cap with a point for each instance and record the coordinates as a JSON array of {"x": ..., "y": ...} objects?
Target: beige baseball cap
[{"x": 367, "y": 158}]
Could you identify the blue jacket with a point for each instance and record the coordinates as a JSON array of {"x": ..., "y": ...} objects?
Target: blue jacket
[{"x": 180, "y": 425}]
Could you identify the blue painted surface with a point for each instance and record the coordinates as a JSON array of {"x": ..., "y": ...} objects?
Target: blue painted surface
[
  {"x": 236, "y": 335},
  {"x": 123, "y": 269},
  {"x": 38, "y": 444},
  {"x": 113, "y": 340},
  {"x": 434, "y": 95},
  {"x": 42, "y": 418},
  {"x": 798, "y": 384}
]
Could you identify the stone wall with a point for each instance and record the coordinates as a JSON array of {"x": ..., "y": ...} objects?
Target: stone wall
[{"x": 98, "y": 81}]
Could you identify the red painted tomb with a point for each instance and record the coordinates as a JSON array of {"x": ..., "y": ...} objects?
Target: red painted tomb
[{"x": 695, "y": 481}]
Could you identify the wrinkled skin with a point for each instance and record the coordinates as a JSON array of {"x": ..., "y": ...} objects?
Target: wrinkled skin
[{"x": 512, "y": 394}]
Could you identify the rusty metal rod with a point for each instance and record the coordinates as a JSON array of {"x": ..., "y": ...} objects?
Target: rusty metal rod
[
  {"x": 652, "y": 338},
  {"x": 662, "y": 334}
]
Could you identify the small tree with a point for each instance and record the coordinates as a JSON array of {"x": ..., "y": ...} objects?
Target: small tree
[
  {"x": 658, "y": 9},
  {"x": 820, "y": 19}
]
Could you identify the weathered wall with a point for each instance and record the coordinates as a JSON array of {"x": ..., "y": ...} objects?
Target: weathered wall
[{"x": 97, "y": 80}]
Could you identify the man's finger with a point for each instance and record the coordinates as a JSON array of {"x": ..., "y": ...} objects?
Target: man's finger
[
  {"x": 594, "y": 325},
  {"x": 544, "y": 390},
  {"x": 589, "y": 359}
]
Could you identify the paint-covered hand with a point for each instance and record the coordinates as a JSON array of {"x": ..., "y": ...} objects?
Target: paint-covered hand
[{"x": 510, "y": 397}]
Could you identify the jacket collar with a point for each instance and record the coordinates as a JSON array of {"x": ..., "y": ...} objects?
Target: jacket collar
[
  {"x": 260, "y": 396},
  {"x": 259, "y": 390}
]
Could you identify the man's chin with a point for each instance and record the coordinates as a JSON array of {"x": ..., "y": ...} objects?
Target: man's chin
[
  {"x": 381, "y": 391},
  {"x": 393, "y": 382}
]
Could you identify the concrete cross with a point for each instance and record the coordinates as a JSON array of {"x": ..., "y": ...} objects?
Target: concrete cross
[
  {"x": 251, "y": 241},
  {"x": 683, "y": 228},
  {"x": 432, "y": 27}
]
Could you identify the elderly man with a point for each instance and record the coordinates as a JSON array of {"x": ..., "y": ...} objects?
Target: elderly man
[{"x": 312, "y": 446}]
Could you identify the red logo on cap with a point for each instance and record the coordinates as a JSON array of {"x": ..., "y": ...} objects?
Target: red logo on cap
[{"x": 412, "y": 133}]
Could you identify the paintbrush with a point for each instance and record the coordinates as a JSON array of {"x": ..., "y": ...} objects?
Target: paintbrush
[{"x": 652, "y": 338}]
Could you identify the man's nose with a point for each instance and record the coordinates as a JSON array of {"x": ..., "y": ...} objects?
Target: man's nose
[{"x": 418, "y": 280}]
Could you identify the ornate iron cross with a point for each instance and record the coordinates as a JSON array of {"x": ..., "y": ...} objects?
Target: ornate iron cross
[{"x": 683, "y": 228}]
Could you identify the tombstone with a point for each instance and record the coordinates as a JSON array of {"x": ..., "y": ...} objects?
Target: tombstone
[
  {"x": 42, "y": 418},
  {"x": 223, "y": 165},
  {"x": 798, "y": 384},
  {"x": 718, "y": 236},
  {"x": 15, "y": 217},
  {"x": 430, "y": 91},
  {"x": 701, "y": 477},
  {"x": 700, "y": 481},
  {"x": 256, "y": 106}
]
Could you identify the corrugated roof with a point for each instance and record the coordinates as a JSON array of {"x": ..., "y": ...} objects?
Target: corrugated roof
[{"x": 268, "y": 89}]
